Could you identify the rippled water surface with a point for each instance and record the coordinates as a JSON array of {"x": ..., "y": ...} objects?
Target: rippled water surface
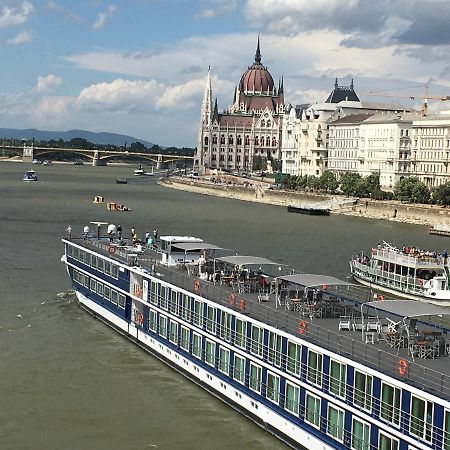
[{"x": 67, "y": 381}]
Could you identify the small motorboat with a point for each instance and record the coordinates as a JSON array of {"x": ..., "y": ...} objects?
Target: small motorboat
[
  {"x": 139, "y": 171},
  {"x": 30, "y": 176}
]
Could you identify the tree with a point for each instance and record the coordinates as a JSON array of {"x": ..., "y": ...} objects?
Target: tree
[
  {"x": 138, "y": 147},
  {"x": 328, "y": 182},
  {"x": 441, "y": 194},
  {"x": 411, "y": 189},
  {"x": 349, "y": 183}
]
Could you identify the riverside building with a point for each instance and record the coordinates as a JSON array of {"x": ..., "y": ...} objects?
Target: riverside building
[{"x": 249, "y": 129}]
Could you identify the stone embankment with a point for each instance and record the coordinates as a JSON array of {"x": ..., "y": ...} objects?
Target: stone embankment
[{"x": 371, "y": 209}]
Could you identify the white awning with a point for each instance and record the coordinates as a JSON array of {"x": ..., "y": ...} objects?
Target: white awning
[
  {"x": 247, "y": 261},
  {"x": 190, "y": 246},
  {"x": 408, "y": 308},
  {"x": 310, "y": 280}
]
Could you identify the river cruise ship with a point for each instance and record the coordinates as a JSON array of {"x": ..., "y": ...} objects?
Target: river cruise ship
[
  {"x": 310, "y": 358},
  {"x": 408, "y": 272}
]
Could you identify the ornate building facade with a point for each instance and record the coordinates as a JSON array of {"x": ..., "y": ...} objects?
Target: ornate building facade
[{"x": 250, "y": 130}]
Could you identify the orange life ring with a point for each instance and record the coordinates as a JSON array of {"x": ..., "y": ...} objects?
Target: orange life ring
[
  {"x": 420, "y": 282},
  {"x": 242, "y": 304},
  {"x": 381, "y": 298},
  {"x": 402, "y": 367},
  {"x": 302, "y": 325},
  {"x": 232, "y": 299},
  {"x": 111, "y": 249},
  {"x": 196, "y": 285}
]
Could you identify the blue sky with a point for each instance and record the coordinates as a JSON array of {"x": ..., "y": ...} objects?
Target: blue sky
[{"x": 139, "y": 67}]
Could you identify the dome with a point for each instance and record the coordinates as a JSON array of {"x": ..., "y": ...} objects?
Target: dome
[{"x": 256, "y": 79}]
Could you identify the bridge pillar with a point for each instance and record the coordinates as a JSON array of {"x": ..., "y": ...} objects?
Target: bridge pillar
[
  {"x": 28, "y": 153},
  {"x": 96, "y": 161},
  {"x": 160, "y": 164}
]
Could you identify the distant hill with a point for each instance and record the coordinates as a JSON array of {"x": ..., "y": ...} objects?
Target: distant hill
[{"x": 96, "y": 138}]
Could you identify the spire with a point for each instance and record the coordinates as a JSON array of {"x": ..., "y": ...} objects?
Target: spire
[
  {"x": 352, "y": 86},
  {"x": 207, "y": 101},
  {"x": 258, "y": 54},
  {"x": 335, "y": 84},
  {"x": 215, "y": 115},
  {"x": 282, "y": 86}
]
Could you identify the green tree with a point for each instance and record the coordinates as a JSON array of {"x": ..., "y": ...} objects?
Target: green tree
[
  {"x": 411, "y": 189},
  {"x": 350, "y": 183},
  {"x": 328, "y": 182},
  {"x": 441, "y": 194},
  {"x": 312, "y": 183},
  {"x": 138, "y": 147}
]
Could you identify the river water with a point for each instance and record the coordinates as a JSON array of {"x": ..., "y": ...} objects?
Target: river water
[{"x": 70, "y": 382}]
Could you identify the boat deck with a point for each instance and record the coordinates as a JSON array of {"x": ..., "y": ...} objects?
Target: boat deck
[{"x": 340, "y": 331}]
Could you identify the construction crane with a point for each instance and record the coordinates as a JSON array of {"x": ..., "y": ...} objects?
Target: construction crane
[{"x": 425, "y": 98}]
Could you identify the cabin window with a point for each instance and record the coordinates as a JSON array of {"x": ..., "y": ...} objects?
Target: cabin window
[
  {"x": 154, "y": 293},
  {"x": 92, "y": 284},
  {"x": 293, "y": 360},
  {"x": 225, "y": 325},
  {"x": 273, "y": 387},
  {"x": 114, "y": 271},
  {"x": 387, "y": 442},
  {"x": 447, "y": 430},
  {"x": 240, "y": 333},
  {"x": 292, "y": 398},
  {"x": 107, "y": 292},
  {"x": 114, "y": 296},
  {"x": 184, "y": 338},
  {"x": 196, "y": 345},
  {"x": 122, "y": 301},
  {"x": 173, "y": 305},
  {"x": 100, "y": 289},
  {"x": 257, "y": 340},
  {"x": 314, "y": 373},
  {"x": 421, "y": 415},
  {"x": 87, "y": 258},
  {"x": 107, "y": 267},
  {"x": 255, "y": 378},
  {"x": 360, "y": 435},
  {"x": 76, "y": 252},
  {"x": 312, "y": 409},
  {"x": 198, "y": 306},
  {"x": 274, "y": 355},
  {"x": 337, "y": 378},
  {"x": 164, "y": 297},
  {"x": 173, "y": 332},
  {"x": 152, "y": 320},
  {"x": 363, "y": 390},
  {"x": 210, "y": 353},
  {"x": 163, "y": 326},
  {"x": 100, "y": 264},
  {"x": 239, "y": 369},
  {"x": 211, "y": 318},
  {"x": 185, "y": 306},
  {"x": 335, "y": 422},
  {"x": 94, "y": 262},
  {"x": 224, "y": 360},
  {"x": 390, "y": 403}
]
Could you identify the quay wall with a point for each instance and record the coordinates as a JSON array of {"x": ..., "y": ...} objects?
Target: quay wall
[{"x": 371, "y": 209}]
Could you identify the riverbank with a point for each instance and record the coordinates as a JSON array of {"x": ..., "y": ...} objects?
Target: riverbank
[{"x": 394, "y": 211}]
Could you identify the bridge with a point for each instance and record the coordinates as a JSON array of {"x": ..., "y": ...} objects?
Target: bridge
[{"x": 98, "y": 157}]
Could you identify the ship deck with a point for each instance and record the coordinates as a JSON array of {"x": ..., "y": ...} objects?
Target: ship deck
[{"x": 339, "y": 330}]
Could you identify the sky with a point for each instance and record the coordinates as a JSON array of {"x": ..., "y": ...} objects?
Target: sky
[{"x": 139, "y": 67}]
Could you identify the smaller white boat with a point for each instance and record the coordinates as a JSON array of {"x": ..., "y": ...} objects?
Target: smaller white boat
[
  {"x": 139, "y": 171},
  {"x": 30, "y": 176},
  {"x": 47, "y": 162}
]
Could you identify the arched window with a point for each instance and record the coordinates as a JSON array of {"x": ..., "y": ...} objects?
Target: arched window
[
  {"x": 247, "y": 139},
  {"x": 262, "y": 141},
  {"x": 230, "y": 139},
  {"x": 214, "y": 139},
  {"x": 206, "y": 140},
  {"x": 263, "y": 123},
  {"x": 256, "y": 140},
  {"x": 269, "y": 124},
  {"x": 274, "y": 142},
  {"x": 222, "y": 139},
  {"x": 239, "y": 140}
]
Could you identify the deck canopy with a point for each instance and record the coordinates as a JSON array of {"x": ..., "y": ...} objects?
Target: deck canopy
[
  {"x": 191, "y": 246},
  {"x": 408, "y": 308},
  {"x": 311, "y": 280},
  {"x": 238, "y": 260}
]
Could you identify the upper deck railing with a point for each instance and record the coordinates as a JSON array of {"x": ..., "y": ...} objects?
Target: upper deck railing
[
  {"x": 419, "y": 374},
  {"x": 404, "y": 259}
]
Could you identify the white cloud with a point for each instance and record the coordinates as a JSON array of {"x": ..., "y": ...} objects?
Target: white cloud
[
  {"x": 50, "y": 111},
  {"x": 218, "y": 8},
  {"x": 11, "y": 15},
  {"x": 103, "y": 17},
  {"x": 24, "y": 37},
  {"x": 45, "y": 84}
]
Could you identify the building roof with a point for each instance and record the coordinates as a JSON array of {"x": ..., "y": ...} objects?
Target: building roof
[
  {"x": 351, "y": 119},
  {"x": 341, "y": 93},
  {"x": 392, "y": 117},
  {"x": 234, "y": 120}
]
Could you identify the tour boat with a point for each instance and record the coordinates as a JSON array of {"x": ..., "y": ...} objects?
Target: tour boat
[
  {"x": 286, "y": 350},
  {"x": 139, "y": 171},
  {"x": 409, "y": 273},
  {"x": 30, "y": 176}
]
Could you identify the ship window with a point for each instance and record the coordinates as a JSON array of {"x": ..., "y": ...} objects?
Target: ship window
[
  {"x": 94, "y": 262},
  {"x": 173, "y": 332},
  {"x": 224, "y": 360},
  {"x": 184, "y": 338},
  {"x": 163, "y": 326},
  {"x": 390, "y": 403},
  {"x": 255, "y": 378},
  {"x": 239, "y": 369},
  {"x": 447, "y": 430},
  {"x": 186, "y": 307},
  {"x": 86, "y": 280},
  {"x": 173, "y": 302},
  {"x": 312, "y": 409},
  {"x": 387, "y": 442},
  {"x": 240, "y": 333},
  {"x": 100, "y": 289},
  {"x": 122, "y": 301},
  {"x": 314, "y": 373},
  {"x": 257, "y": 340},
  {"x": 92, "y": 285},
  {"x": 293, "y": 357},
  {"x": 152, "y": 322},
  {"x": 76, "y": 252},
  {"x": 198, "y": 306},
  {"x": 274, "y": 355},
  {"x": 225, "y": 326},
  {"x": 335, "y": 422},
  {"x": 163, "y": 297},
  {"x": 100, "y": 264},
  {"x": 87, "y": 258},
  {"x": 421, "y": 418},
  {"x": 211, "y": 318},
  {"x": 114, "y": 296},
  {"x": 273, "y": 387},
  {"x": 107, "y": 292},
  {"x": 197, "y": 345},
  {"x": 292, "y": 398},
  {"x": 360, "y": 435},
  {"x": 363, "y": 390},
  {"x": 114, "y": 271},
  {"x": 210, "y": 352},
  {"x": 107, "y": 267},
  {"x": 337, "y": 378},
  {"x": 154, "y": 293}
]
